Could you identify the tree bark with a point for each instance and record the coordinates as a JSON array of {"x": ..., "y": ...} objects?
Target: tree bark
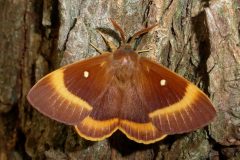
[{"x": 197, "y": 39}]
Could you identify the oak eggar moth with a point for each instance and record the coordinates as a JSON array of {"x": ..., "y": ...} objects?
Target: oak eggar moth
[{"x": 120, "y": 90}]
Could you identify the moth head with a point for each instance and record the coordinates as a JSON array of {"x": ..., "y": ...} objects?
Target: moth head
[
  {"x": 130, "y": 43},
  {"x": 128, "y": 46}
]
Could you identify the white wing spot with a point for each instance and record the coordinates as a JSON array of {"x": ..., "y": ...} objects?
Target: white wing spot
[
  {"x": 163, "y": 82},
  {"x": 85, "y": 74}
]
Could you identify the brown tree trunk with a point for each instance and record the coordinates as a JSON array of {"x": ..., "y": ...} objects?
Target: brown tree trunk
[{"x": 197, "y": 39}]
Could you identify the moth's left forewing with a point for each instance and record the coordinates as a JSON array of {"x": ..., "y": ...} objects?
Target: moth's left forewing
[
  {"x": 175, "y": 104},
  {"x": 68, "y": 94}
]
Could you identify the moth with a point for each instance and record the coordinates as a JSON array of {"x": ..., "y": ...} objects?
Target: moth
[{"x": 121, "y": 90}]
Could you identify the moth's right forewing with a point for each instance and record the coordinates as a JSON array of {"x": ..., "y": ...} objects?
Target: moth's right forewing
[{"x": 174, "y": 104}]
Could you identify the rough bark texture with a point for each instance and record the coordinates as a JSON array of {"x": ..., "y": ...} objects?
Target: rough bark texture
[{"x": 198, "y": 39}]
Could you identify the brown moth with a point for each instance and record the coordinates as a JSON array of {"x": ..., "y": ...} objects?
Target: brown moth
[{"x": 121, "y": 90}]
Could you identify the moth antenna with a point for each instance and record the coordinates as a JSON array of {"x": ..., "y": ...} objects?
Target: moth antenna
[
  {"x": 110, "y": 44},
  {"x": 119, "y": 29},
  {"x": 139, "y": 33}
]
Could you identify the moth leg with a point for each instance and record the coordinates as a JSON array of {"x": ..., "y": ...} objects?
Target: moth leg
[
  {"x": 144, "y": 50},
  {"x": 110, "y": 44},
  {"x": 97, "y": 49},
  {"x": 198, "y": 81}
]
